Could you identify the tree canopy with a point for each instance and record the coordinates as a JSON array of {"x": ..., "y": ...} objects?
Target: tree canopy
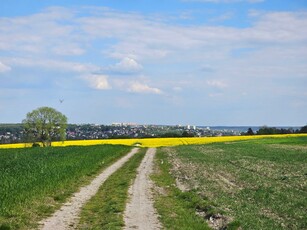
[
  {"x": 250, "y": 132},
  {"x": 303, "y": 129},
  {"x": 44, "y": 125},
  {"x": 272, "y": 130}
]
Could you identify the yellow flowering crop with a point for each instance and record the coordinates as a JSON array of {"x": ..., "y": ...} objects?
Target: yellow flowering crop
[{"x": 154, "y": 142}]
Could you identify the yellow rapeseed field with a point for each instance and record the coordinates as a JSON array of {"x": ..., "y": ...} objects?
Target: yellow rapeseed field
[{"x": 154, "y": 142}]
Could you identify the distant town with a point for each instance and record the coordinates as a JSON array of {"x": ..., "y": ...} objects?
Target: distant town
[{"x": 14, "y": 133}]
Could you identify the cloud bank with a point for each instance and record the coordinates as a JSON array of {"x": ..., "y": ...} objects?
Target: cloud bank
[{"x": 112, "y": 50}]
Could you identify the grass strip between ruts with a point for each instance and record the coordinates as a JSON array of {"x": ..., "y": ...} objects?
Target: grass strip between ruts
[{"x": 105, "y": 210}]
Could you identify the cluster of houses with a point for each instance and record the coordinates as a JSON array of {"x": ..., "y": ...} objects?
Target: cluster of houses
[
  {"x": 128, "y": 130},
  {"x": 10, "y": 137},
  {"x": 15, "y": 133}
]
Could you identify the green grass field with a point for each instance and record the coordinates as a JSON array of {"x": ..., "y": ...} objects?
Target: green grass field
[
  {"x": 35, "y": 181},
  {"x": 261, "y": 184},
  {"x": 251, "y": 184}
]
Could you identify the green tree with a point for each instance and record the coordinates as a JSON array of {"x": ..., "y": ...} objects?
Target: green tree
[
  {"x": 267, "y": 131},
  {"x": 187, "y": 134},
  {"x": 250, "y": 131},
  {"x": 303, "y": 129},
  {"x": 44, "y": 125}
]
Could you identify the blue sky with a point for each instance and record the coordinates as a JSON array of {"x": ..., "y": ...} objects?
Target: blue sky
[{"x": 198, "y": 62}]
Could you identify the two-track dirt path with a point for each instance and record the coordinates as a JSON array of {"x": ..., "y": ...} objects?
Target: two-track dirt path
[
  {"x": 67, "y": 216},
  {"x": 140, "y": 212}
]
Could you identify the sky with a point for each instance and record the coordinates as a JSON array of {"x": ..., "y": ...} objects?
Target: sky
[{"x": 169, "y": 62}]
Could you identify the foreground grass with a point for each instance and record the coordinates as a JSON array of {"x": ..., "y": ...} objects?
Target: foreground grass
[
  {"x": 176, "y": 208},
  {"x": 35, "y": 181},
  {"x": 260, "y": 183},
  {"x": 105, "y": 210}
]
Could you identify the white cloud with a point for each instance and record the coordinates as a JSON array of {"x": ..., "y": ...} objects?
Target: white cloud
[
  {"x": 135, "y": 86},
  {"x": 98, "y": 81},
  {"x": 269, "y": 55},
  {"x": 136, "y": 37},
  {"x": 275, "y": 40},
  {"x": 217, "y": 83},
  {"x": 4, "y": 68},
  {"x": 138, "y": 87},
  {"x": 37, "y": 33},
  {"x": 149, "y": 39},
  {"x": 126, "y": 65}
]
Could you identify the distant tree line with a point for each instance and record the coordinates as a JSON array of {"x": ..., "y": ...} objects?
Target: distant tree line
[
  {"x": 15, "y": 133},
  {"x": 173, "y": 134},
  {"x": 264, "y": 130}
]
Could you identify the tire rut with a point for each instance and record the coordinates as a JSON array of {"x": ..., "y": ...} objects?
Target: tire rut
[
  {"x": 67, "y": 216},
  {"x": 140, "y": 212}
]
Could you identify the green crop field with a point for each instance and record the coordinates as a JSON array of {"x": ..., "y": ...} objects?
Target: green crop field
[
  {"x": 255, "y": 184},
  {"x": 35, "y": 181},
  {"x": 246, "y": 184}
]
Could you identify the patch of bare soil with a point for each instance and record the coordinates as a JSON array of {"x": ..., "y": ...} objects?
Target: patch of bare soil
[
  {"x": 67, "y": 216},
  {"x": 140, "y": 212},
  {"x": 216, "y": 221},
  {"x": 208, "y": 149},
  {"x": 227, "y": 181},
  {"x": 289, "y": 147},
  {"x": 270, "y": 214},
  {"x": 178, "y": 170},
  {"x": 237, "y": 142},
  {"x": 187, "y": 176}
]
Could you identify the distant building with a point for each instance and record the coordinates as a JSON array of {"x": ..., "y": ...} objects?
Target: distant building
[{"x": 116, "y": 124}]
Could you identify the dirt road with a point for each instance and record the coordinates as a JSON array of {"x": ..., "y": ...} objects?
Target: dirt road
[
  {"x": 67, "y": 216},
  {"x": 140, "y": 213}
]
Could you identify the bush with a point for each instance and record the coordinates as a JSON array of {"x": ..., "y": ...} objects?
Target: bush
[{"x": 35, "y": 145}]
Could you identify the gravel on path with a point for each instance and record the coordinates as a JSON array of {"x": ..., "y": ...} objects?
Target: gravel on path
[
  {"x": 67, "y": 216},
  {"x": 140, "y": 212}
]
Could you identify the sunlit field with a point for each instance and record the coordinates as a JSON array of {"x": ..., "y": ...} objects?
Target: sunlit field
[
  {"x": 34, "y": 182},
  {"x": 256, "y": 184},
  {"x": 154, "y": 142}
]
